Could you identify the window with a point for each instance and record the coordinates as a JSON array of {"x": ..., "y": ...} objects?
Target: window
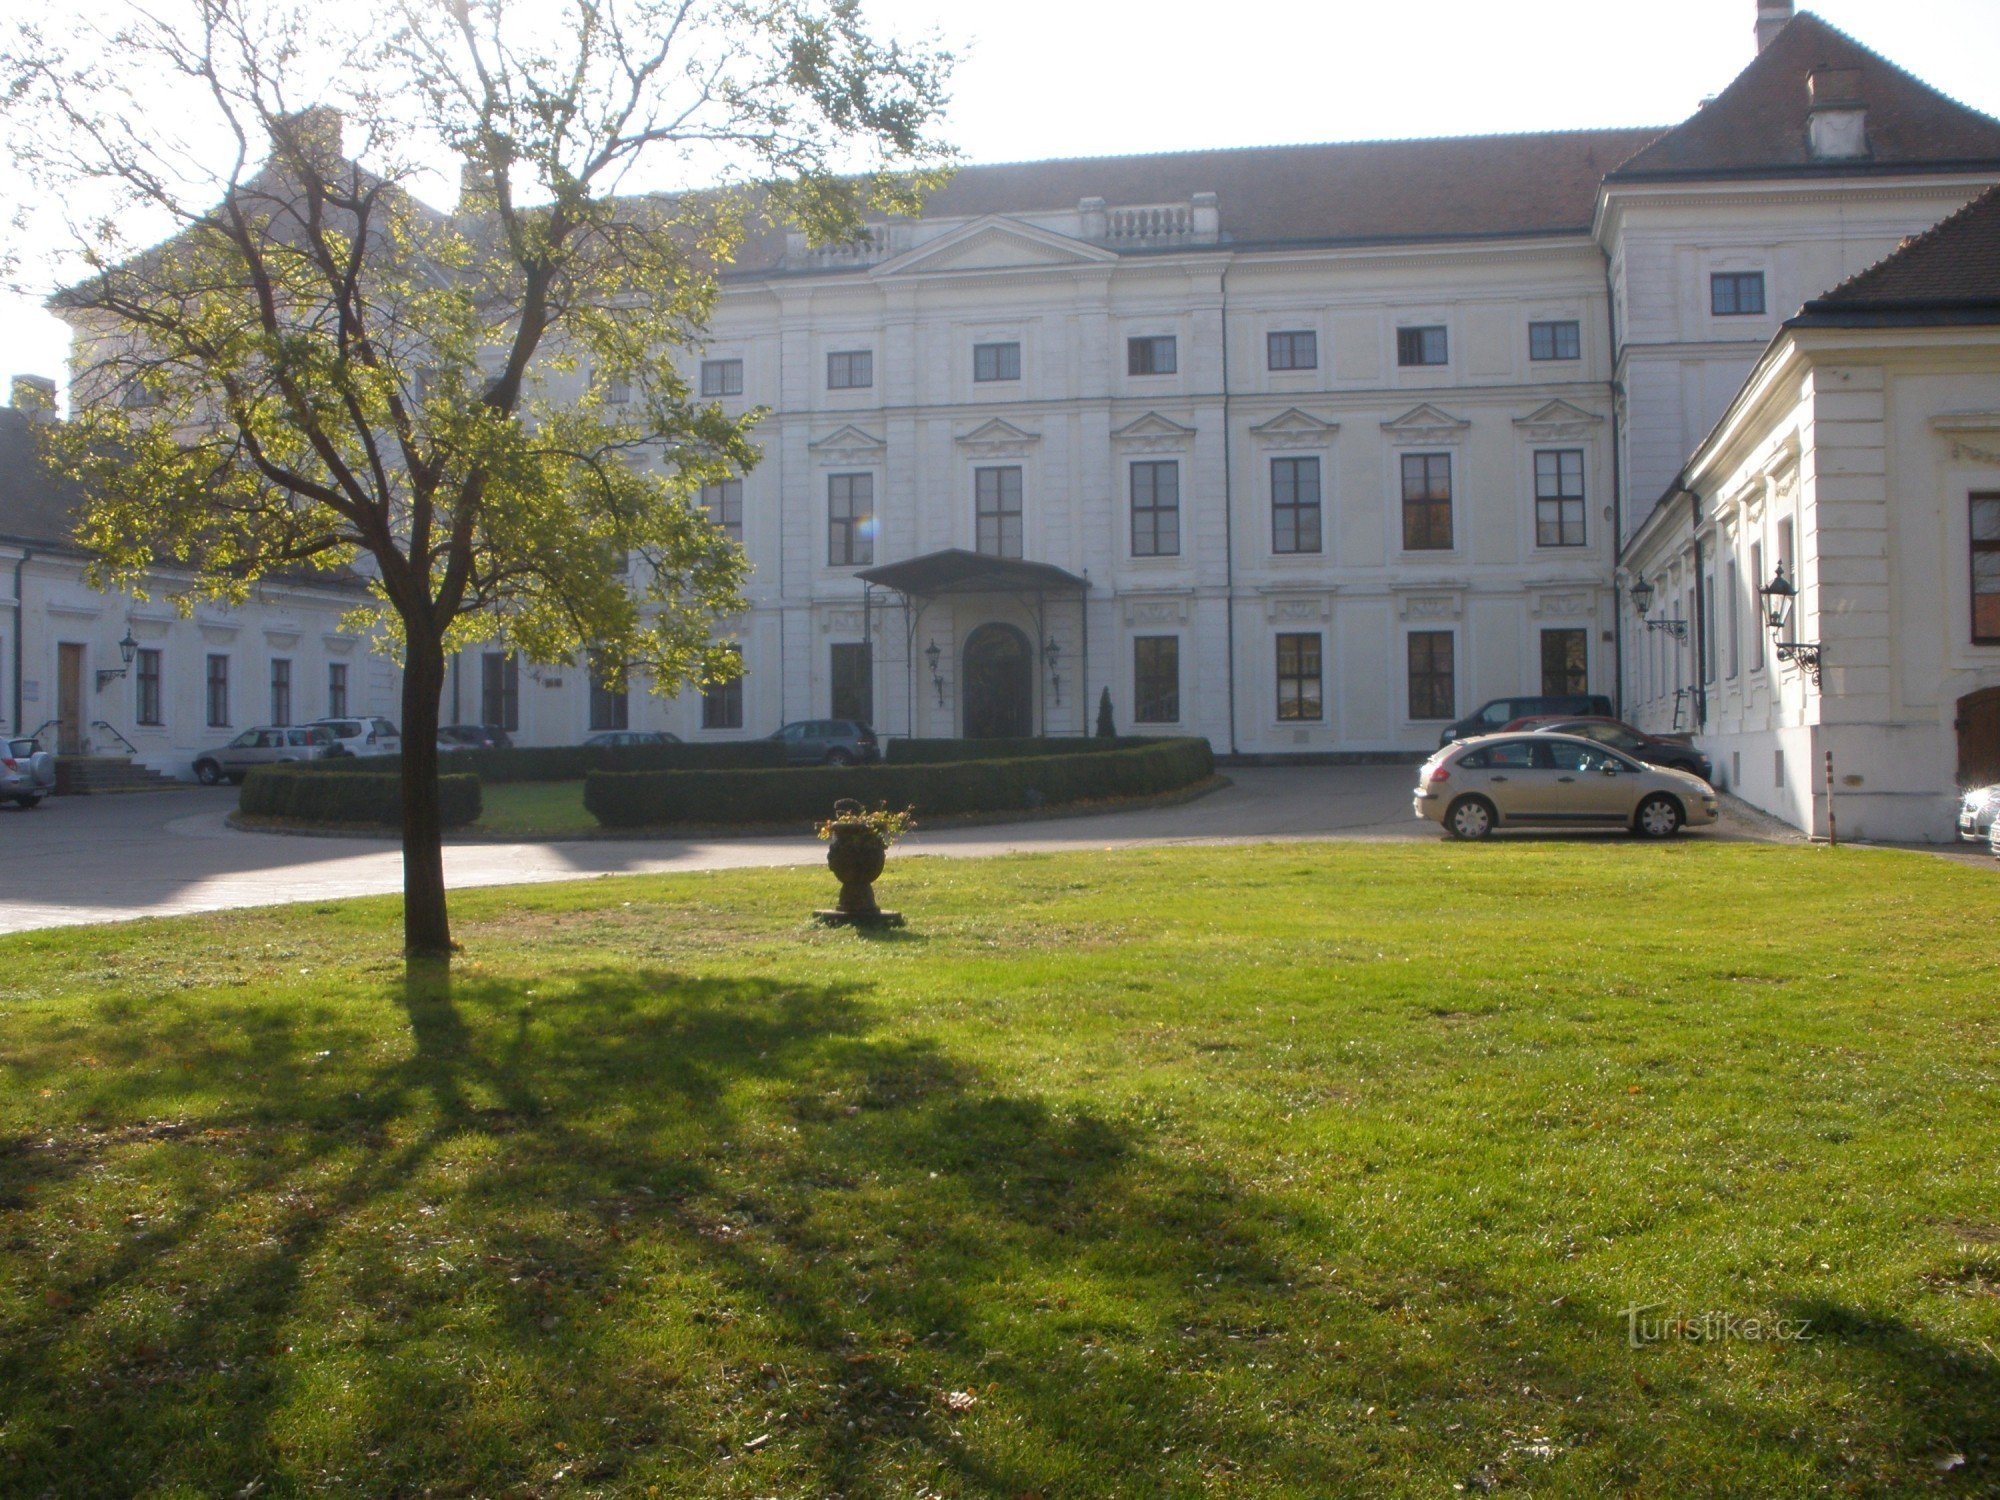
[
  {"x": 1565, "y": 663},
  {"x": 149, "y": 687},
  {"x": 1420, "y": 346},
  {"x": 1559, "y": 497},
  {"x": 853, "y": 682},
  {"x": 1432, "y": 695},
  {"x": 500, "y": 690},
  {"x": 722, "y": 377},
  {"x": 1299, "y": 677},
  {"x": 1295, "y": 505},
  {"x": 336, "y": 689},
  {"x": 1555, "y": 341},
  {"x": 617, "y": 390},
  {"x": 850, "y": 370},
  {"x": 1735, "y": 617},
  {"x": 1292, "y": 351},
  {"x": 724, "y": 504},
  {"x": 1757, "y": 611},
  {"x": 609, "y": 704},
  {"x": 1156, "y": 679},
  {"x": 281, "y": 690},
  {"x": 722, "y": 702},
  {"x": 1986, "y": 569},
  {"x": 996, "y": 362},
  {"x": 1153, "y": 355},
  {"x": 998, "y": 501},
  {"x": 1426, "y": 502},
  {"x": 850, "y": 520},
  {"x": 1156, "y": 509},
  {"x": 218, "y": 692},
  {"x": 1735, "y": 294}
]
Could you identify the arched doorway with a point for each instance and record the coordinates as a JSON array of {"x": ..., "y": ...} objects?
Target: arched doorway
[
  {"x": 999, "y": 684},
  {"x": 1979, "y": 737}
]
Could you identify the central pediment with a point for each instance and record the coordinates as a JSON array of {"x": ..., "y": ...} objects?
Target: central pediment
[{"x": 994, "y": 244}]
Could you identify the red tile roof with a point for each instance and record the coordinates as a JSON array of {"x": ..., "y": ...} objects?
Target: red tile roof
[
  {"x": 1951, "y": 268},
  {"x": 1757, "y": 126}
]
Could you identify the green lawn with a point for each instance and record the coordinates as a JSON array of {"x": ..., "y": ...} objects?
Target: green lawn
[
  {"x": 1310, "y": 1170},
  {"x": 534, "y": 809}
]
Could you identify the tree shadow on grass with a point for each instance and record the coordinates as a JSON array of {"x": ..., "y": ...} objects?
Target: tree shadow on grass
[
  {"x": 626, "y": 1228},
  {"x": 609, "y": 1225}
]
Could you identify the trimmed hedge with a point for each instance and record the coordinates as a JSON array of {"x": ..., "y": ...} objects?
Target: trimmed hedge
[
  {"x": 641, "y": 799},
  {"x": 936, "y": 752},
  {"x": 312, "y": 795},
  {"x": 574, "y": 762}
]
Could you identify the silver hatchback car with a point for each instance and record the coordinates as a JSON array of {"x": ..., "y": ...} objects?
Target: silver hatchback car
[
  {"x": 1555, "y": 781},
  {"x": 272, "y": 746}
]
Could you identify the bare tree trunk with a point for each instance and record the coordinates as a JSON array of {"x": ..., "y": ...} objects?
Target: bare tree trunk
[{"x": 426, "y": 923}]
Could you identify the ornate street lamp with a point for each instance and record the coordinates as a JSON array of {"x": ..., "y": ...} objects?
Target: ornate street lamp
[
  {"x": 127, "y": 650},
  {"x": 1642, "y": 600},
  {"x": 1779, "y": 599}
]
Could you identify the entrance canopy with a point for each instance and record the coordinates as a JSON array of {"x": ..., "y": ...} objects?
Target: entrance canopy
[
  {"x": 956, "y": 571},
  {"x": 921, "y": 581}
]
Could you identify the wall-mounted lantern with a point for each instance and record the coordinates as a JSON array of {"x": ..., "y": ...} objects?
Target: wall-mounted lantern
[
  {"x": 127, "y": 650},
  {"x": 932, "y": 655},
  {"x": 1642, "y": 601},
  {"x": 1780, "y": 599}
]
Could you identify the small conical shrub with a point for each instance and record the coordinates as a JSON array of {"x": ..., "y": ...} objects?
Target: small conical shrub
[{"x": 1105, "y": 729}]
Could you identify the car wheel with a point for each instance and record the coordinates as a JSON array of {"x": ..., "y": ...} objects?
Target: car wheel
[
  {"x": 208, "y": 773},
  {"x": 839, "y": 758},
  {"x": 1659, "y": 817},
  {"x": 1469, "y": 818}
]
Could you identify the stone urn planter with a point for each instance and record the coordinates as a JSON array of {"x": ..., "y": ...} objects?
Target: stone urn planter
[{"x": 857, "y": 847}]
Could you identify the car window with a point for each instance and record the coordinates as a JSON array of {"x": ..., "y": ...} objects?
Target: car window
[
  {"x": 383, "y": 726},
  {"x": 244, "y": 740},
  {"x": 1572, "y": 757},
  {"x": 1495, "y": 713},
  {"x": 1517, "y": 755}
]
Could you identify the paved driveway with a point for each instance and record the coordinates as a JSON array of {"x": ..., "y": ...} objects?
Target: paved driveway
[{"x": 100, "y": 859}]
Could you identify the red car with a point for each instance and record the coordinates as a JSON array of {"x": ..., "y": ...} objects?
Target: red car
[{"x": 1619, "y": 735}]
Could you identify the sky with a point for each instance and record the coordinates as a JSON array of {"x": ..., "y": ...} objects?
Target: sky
[{"x": 1048, "y": 78}]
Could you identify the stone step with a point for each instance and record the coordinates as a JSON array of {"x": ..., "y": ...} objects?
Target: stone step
[{"x": 88, "y": 775}]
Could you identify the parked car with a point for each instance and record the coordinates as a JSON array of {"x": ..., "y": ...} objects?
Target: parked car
[
  {"x": 1555, "y": 781},
  {"x": 1651, "y": 748},
  {"x": 1976, "y": 814},
  {"x": 363, "y": 735},
  {"x": 266, "y": 745},
  {"x": 27, "y": 772},
  {"x": 474, "y": 737},
  {"x": 1501, "y": 712},
  {"x": 619, "y": 739},
  {"x": 828, "y": 742}
]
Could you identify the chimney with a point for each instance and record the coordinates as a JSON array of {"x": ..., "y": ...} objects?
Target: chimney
[
  {"x": 1771, "y": 18},
  {"x": 35, "y": 396},
  {"x": 1837, "y": 119},
  {"x": 312, "y": 134}
]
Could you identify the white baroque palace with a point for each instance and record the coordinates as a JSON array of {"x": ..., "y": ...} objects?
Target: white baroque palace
[{"x": 1309, "y": 449}]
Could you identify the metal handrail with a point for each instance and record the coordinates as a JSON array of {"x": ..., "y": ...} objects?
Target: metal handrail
[{"x": 100, "y": 724}]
